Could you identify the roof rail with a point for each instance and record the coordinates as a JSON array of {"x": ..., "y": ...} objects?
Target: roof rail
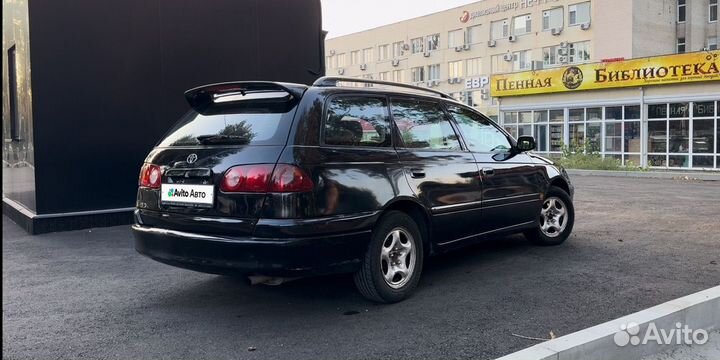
[
  {"x": 331, "y": 81},
  {"x": 201, "y": 97}
]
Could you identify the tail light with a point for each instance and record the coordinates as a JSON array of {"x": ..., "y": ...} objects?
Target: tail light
[
  {"x": 262, "y": 178},
  {"x": 150, "y": 176}
]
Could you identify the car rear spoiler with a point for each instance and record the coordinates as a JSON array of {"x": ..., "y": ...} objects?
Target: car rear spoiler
[{"x": 201, "y": 97}]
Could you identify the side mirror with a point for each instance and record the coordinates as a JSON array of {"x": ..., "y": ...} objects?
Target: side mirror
[{"x": 526, "y": 143}]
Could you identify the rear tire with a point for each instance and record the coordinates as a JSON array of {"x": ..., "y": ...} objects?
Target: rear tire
[
  {"x": 555, "y": 221},
  {"x": 393, "y": 262}
]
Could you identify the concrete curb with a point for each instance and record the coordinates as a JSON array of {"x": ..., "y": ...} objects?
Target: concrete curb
[
  {"x": 698, "y": 311},
  {"x": 680, "y": 175}
]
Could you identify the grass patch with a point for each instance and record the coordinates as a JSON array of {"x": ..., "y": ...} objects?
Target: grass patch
[{"x": 586, "y": 157}]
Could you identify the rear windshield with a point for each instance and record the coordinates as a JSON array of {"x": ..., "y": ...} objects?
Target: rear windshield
[{"x": 250, "y": 128}]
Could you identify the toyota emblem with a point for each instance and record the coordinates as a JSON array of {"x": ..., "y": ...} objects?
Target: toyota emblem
[{"x": 191, "y": 158}]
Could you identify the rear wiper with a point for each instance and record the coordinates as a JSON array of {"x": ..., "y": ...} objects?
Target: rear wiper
[{"x": 214, "y": 139}]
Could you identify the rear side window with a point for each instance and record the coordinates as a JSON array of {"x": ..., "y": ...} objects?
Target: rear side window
[
  {"x": 251, "y": 128},
  {"x": 357, "y": 121},
  {"x": 423, "y": 125}
]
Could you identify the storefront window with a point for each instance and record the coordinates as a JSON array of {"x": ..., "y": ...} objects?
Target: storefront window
[
  {"x": 632, "y": 137},
  {"x": 703, "y": 136},
  {"x": 556, "y": 137},
  {"x": 657, "y": 160},
  {"x": 577, "y": 135},
  {"x": 524, "y": 130},
  {"x": 657, "y": 136},
  {"x": 678, "y": 161},
  {"x": 679, "y": 110},
  {"x": 525, "y": 117},
  {"x": 541, "y": 116},
  {"x": 613, "y": 137},
  {"x": 593, "y": 133},
  {"x": 657, "y": 111},
  {"x": 613, "y": 113},
  {"x": 703, "y": 161},
  {"x": 632, "y": 112},
  {"x": 594, "y": 114},
  {"x": 704, "y": 109},
  {"x": 576, "y": 115},
  {"x": 679, "y": 136},
  {"x": 557, "y": 115},
  {"x": 541, "y": 132}
]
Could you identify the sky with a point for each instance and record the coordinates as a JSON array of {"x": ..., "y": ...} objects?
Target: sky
[{"x": 342, "y": 17}]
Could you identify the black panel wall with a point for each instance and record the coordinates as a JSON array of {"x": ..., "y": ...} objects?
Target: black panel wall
[{"x": 108, "y": 79}]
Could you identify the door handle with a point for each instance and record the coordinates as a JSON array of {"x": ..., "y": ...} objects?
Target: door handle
[
  {"x": 488, "y": 171},
  {"x": 417, "y": 173}
]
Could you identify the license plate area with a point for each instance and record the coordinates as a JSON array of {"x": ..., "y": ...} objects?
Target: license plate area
[{"x": 188, "y": 195}]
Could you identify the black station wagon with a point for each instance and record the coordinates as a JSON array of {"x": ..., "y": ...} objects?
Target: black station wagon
[{"x": 276, "y": 181}]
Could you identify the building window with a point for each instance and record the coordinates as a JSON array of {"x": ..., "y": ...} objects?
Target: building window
[
  {"x": 368, "y": 56},
  {"x": 456, "y": 38},
  {"x": 434, "y": 72},
  {"x": 383, "y": 76},
  {"x": 328, "y": 62},
  {"x": 681, "y": 11},
  {"x": 341, "y": 61},
  {"x": 579, "y": 52},
  {"x": 712, "y": 43},
  {"x": 473, "y": 66},
  {"x": 713, "y": 11},
  {"x": 473, "y": 33},
  {"x": 579, "y": 13},
  {"x": 398, "y": 49},
  {"x": 416, "y": 45},
  {"x": 13, "y": 94},
  {"x": 417, "y": 74},
  {"x": 522, "y": 25},
  {"x": 455, "y": 69},
  {"x": 681, "y": 45},
  {"x": 551, "y": 56},
  {"x": 433, "y": 42},
  {"x": 499, "y": 29},
  {"x": 398, "y": 76},
  {"x": 383, "y": 52},
  {"x": 522, "y": 60},
  {"x": 355, "y": 57},
  {"x": 499, "y": 64},
  {"x": 553, "y": 19}
]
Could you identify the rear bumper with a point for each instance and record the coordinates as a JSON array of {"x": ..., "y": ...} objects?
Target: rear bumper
[{"x": 285, "y": 256}]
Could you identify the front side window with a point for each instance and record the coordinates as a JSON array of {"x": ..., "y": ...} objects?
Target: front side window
[
  {"x": 433, "y": 42},
  {"x": 422, "y": 125},
  {"x": 499, "y": 29},
  {"x": 522, "y": 25},
  {"x": 357, "y": 121},
  {"x": 479, "y": 133},
  {"x": 552, "y": 19},
  {"x": 416, "y": 45},
  {"x": 579, "y": 14}
]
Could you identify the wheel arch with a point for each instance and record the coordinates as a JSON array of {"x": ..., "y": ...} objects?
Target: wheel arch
[
  {"x": 419, "y": 213},
  {"x": 560, "y": 183}
]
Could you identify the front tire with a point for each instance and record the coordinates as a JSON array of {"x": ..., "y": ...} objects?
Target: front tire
[
  {"x": 555, "y": 221},
  {"x": 393, "y": 262}
]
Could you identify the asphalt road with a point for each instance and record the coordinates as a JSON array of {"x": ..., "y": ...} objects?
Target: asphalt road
[{"x": 637, "y": 243}]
